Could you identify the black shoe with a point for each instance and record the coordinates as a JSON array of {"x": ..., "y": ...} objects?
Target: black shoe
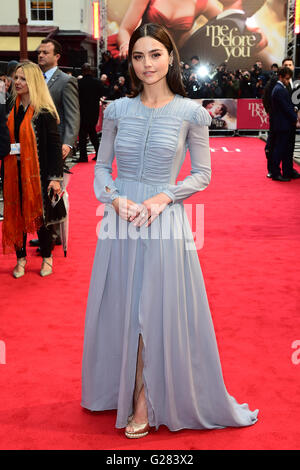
[
  {"x": 269, "y": 175},
  {"x": 95, "y": 158},
  {"x": 34, "y": 242},
  {"x": 295, "y": 175},
  {"x": 280, "y": 178}
]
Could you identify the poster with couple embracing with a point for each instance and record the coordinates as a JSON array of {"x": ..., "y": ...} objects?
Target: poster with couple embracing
[{"x": 236, "y": 33}]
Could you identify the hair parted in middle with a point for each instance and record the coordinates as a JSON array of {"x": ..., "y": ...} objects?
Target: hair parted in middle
[
  {"x": 40, "y": 98},
  {"x": 159, "y": 33}
]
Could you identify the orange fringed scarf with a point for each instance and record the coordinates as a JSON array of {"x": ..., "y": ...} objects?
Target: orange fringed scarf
[{"x": 30, "y": 218}]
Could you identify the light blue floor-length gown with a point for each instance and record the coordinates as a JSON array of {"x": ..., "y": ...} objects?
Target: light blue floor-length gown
[{"x": 148, "y": 281}]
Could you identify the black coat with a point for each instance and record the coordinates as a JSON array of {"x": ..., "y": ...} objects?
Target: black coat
[
  {"x": 90, "y": 92},
  {"x": 4, "y": 133},
  {"x": 49, "y": 148},
  {"x": 284, "y": 116}
]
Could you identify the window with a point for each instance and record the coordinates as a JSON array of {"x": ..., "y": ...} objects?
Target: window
[{"x": 41, "y": 10}]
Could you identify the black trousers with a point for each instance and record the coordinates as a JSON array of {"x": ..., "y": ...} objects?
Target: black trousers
[
  {"x": 45, "y": 239},
  {"x": 283, "y": 150},
  {"x": 44, "y": 235},
  {"x": 87, "y": 129},
  {"x": 269, "y": 148}
]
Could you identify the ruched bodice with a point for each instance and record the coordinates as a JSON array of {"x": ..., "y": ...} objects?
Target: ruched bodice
[{"x": 150, "y": 146}]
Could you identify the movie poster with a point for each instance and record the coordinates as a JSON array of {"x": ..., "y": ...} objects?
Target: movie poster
[
  {"x": 214, "y": 30},
  {"x": 223, "y": 113}
]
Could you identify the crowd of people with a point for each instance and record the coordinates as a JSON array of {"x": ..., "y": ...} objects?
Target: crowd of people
[
  {"x": 200, "y": 81},
  {"x": 219, "y": 82}
]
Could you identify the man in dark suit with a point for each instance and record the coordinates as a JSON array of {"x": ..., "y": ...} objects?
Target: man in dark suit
[
  {"x": 90, "y": 92},
  {"x": 291, "y": 88},
  {"x": 226, "y": 38},
  {"x": 284, "y": 119},
  {"x": 267, "y": 101},
  {"x": 4, "y": 134},
  {"x": 64, "y": 91}
]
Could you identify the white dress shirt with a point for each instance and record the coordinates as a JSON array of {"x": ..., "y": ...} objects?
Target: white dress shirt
[{"x": 49, "y": 73}]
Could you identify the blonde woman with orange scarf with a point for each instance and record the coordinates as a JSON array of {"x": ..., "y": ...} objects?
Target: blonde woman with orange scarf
[{"x": 33, "y": 169}]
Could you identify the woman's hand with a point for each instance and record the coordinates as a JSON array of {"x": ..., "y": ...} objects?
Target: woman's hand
[
  {"x": 125, "y": 208},
  {"x": 55, "y": 185},
  {"x": 123, "y": 48},
  {"x": 65, "y": 151},
  {"x": 150, "y": 209}
]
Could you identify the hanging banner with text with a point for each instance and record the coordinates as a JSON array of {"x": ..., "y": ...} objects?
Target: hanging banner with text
[{"x": 251, "y": 114}]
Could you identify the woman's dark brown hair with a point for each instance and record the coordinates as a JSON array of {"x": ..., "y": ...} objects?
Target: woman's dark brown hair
[{"x": 159, "y": 33}]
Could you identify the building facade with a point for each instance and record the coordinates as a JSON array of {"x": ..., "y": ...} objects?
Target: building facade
[{"x": 68, "y": 21}]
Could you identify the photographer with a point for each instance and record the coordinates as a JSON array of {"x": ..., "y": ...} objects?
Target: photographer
[
  {"x": 122, "y": 86},
  {"x": 259, "y": 88},
  {"x": 185, "y": 72},
  {"x": 232, "y": 87},
  {"x": 193, "y": 87},
  {"x": 216, "y": 89},
  {"x": 246, "y": 90}
]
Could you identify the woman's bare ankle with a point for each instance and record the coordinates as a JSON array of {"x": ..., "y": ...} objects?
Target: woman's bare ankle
[{"x": 140, "y": 412}]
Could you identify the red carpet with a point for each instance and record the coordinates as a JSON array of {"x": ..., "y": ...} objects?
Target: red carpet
[{"x": 251, "y": 266}]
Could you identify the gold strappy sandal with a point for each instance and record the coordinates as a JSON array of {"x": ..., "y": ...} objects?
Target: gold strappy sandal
[
  {"x": 20, "y": 264},
  {"x": 139, "y": 430},
  {"x": 46, "y": 272}
]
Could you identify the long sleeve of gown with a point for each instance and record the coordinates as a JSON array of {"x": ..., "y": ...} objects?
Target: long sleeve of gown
[
  {"x": 103, "y": 168},
  {"x": 198, "y": 145}
]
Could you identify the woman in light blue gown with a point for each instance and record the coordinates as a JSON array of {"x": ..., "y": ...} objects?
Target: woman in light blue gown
[{"x": 149, "y": 348}]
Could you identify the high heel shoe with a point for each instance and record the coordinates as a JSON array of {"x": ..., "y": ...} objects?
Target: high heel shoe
[
  {"x": 20, "y": 264},
  {"x": 46, "y": 272},
  {"x": 139, "y": 430}
]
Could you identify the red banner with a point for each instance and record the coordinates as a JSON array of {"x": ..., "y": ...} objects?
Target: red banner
[
  {"x": 251, "y": 114},
  {"x": 227, "y": 114}
]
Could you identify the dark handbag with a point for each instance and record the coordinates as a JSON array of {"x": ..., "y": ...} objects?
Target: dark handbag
[{"x": 55, "y": 210}]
